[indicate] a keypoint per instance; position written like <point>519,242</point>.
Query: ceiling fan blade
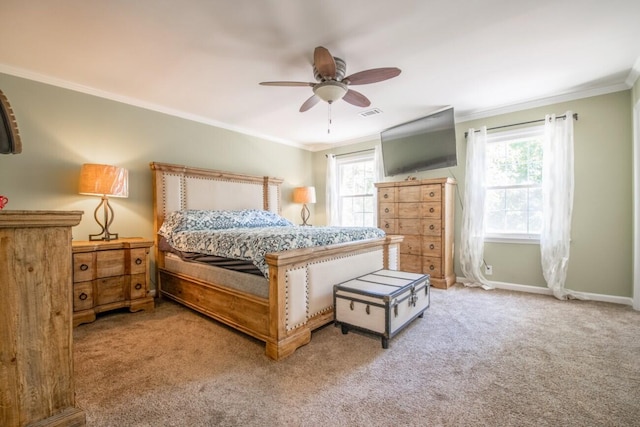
<point>287,84</point>
<point>324,63</point>
<point>356,98</point>
<point>372,76</point>
<point>309,103</point>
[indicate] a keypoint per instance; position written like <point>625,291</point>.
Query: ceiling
<point>203,59</point>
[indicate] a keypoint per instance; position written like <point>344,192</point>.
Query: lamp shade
<point>104,180</point>
<point>304,195</point>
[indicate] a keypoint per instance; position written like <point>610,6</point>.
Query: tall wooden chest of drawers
<point>109,275</point>
<point>421,211</point>
<point>37,387</point>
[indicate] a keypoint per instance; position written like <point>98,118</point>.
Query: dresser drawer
<point>431,193</point>
<point>432,266</point>
<point>137,286</point>
<point>110,263</point>
<point>431,227</point>
<point>389,225</point>
<point>411,263</point>
<point>409,210</point>
<point>110,289</point>
<point>432,210</point>
<point>386,195</point>
<point>137,260</point>
<point>82,296</point>
<point>431,246</point>
<point>409,194</point>
<point>387,210</point>
<point>409,226</point>
<point>411,245</point>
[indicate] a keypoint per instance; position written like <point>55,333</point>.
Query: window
<point>355,176</point>
<point>513,204</point>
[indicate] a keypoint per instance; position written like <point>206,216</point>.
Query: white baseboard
<point>546,291</point>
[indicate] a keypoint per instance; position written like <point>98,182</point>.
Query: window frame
<point>360,157</point>
<point>509,136</point>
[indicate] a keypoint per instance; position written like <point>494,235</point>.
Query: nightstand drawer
<point>137,261</point>
<point>138,286</point>
<point>83,267</point>
<point>110,289</point>
<point>82,296</point>
<point>110,263</point>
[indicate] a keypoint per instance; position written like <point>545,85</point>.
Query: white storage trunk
<point>382,302</point>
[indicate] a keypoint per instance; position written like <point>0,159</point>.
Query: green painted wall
<point>61,129</point>
<point>601,260</point>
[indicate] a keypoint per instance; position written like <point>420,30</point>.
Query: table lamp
<point>104,181</point>
<point>304,195</point>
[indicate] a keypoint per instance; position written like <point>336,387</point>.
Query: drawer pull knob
<point>138,261</point>
<point>368,310</point>
<point>351,305</point>
<point>432,267</point>
<point>432,210</point>
<point>386,210</point>
<point>386,225</point>
<point>432,246</point>
<point>83,296</point>
<point>84,267</point>
<point>138,286</point>
<point>432,227</point>
<point>432,194</point>
<point>386,196</point>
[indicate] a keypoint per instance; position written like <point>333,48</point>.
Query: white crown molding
<point>460,118</point>
<point>541,102</point>
<point>633,74</point>
<point>30,75</point>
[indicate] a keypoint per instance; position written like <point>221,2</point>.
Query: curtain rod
<point>575,117</point>
<point>353,152</point>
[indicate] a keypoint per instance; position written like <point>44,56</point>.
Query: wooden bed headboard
<point>177,187</point>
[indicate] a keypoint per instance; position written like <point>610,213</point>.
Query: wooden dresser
<point>36,341</point>
<point>109,275</point>
<point>421,211</point>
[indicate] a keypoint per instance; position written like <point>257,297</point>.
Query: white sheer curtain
<point>472,233</point>
<point>331,192</point>
<point>557,203</point>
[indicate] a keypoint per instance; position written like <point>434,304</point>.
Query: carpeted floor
<point>494,358</point>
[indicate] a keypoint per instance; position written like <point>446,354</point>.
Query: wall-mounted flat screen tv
<point>419,145</point>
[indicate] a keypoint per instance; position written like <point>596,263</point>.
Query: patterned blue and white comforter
<point>252,244</point>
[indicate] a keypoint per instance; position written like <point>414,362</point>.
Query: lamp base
<point>105,234</point>
<point>305,214</point>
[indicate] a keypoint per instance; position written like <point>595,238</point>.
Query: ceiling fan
<point>332,85</point>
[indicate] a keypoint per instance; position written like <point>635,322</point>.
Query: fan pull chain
<point>329,119</point>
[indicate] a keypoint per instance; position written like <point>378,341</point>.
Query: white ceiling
<point>203,59</point>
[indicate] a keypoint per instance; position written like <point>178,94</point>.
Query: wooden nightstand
<point>110,275</point>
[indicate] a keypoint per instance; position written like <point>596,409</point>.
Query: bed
<point>281,307</point>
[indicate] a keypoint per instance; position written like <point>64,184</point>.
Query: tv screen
<point>419,145</point>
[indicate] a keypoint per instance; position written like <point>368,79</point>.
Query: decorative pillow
<point>192,219</point>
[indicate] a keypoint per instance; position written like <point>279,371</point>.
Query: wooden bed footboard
<point>300,291</point>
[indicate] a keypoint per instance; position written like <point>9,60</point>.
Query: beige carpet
<point>494,358</point>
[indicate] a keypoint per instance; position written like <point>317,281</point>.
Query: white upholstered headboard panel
<point>177,187</point>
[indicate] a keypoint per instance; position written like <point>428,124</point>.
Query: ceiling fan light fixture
<point>330,91</point>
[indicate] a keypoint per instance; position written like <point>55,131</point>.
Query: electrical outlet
<point>488,269</point>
